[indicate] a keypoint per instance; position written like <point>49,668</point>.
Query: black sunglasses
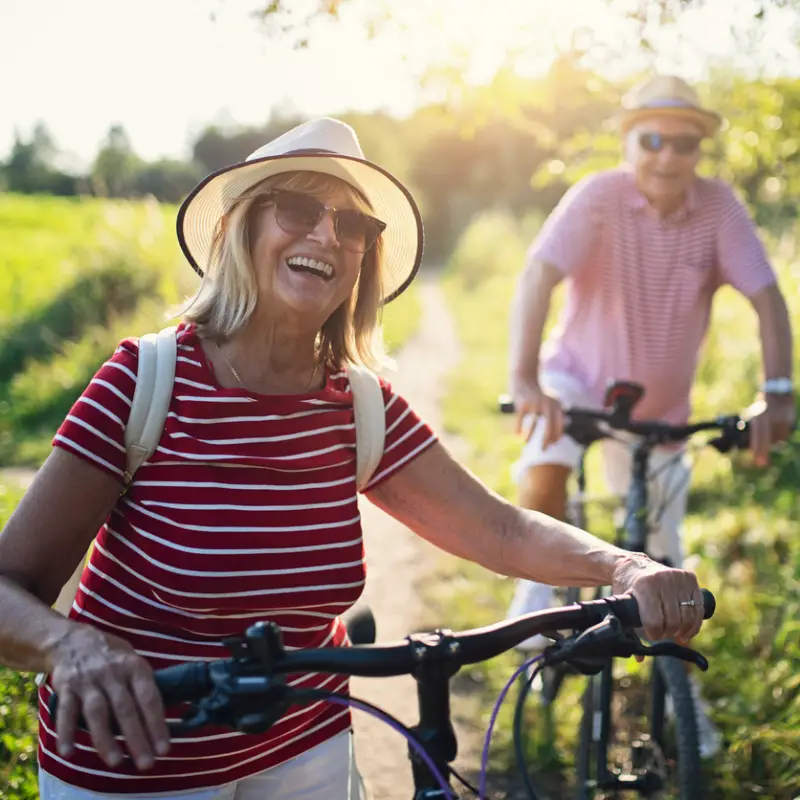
<point>299,214</point>
<point>681,144</point>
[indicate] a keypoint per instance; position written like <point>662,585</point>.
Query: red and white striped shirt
<point>640,288</point>
<point>247,511</point>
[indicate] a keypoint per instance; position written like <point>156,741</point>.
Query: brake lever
<point>589,650</point>
<point>250,704</point>
<point>586,652</point>
<point>674,651</point>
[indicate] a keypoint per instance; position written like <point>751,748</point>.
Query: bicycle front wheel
<point>639,733</point>
<point>674,735</point>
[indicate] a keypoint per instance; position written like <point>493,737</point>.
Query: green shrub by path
<point>741,530</point>
<point>48,242</point>
<point>117,269</point>
<point>18,708</point>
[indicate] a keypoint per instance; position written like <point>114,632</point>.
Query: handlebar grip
<point>183,682</point>
<point>178,684</point>
<point>627,608</point>
<point>709,604</point>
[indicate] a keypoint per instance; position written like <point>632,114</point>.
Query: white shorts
<point>669,469</point>
<point>326,772</point>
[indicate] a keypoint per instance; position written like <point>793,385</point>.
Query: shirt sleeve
<point>406,437</point>
<point>741,258</point>
<point>94,429</point>
<point>572,231</point>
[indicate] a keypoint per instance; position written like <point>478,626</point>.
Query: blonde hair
<point>228,294</point>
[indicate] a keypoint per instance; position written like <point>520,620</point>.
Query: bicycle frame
<point>633,536</point>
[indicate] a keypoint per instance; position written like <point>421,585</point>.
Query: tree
<point>215,148</point>
<point>30,170</point>
<point>167,180</point>
<point>115,166</point>
<point>295,19</point>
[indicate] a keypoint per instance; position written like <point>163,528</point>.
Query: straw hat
<point>667,95</point>
<point>320,145</point>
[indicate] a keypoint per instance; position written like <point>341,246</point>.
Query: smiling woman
<point>248,262</point>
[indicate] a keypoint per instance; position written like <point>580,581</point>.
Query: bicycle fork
<point>598,705</point>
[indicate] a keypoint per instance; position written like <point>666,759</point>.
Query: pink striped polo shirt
<point>640,288</point>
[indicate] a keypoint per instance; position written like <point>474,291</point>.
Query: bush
<point>18,709</point>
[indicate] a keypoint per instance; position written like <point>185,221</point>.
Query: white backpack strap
<point>154,380</point>
<point>370,416</point>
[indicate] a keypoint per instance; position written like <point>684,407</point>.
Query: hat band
<point>303,151</point>
<point>311,151</point>
<point>669,102</point>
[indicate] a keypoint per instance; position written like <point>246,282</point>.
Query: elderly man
<point>642,248</point>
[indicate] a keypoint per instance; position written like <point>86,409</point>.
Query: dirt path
<point>21,476</point>
<point>398,562</point>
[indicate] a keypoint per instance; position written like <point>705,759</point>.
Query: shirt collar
<point>638,201</point>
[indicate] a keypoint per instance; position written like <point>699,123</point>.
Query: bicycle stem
<point>434,730</point>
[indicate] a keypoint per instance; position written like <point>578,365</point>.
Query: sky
<point>166,68</point>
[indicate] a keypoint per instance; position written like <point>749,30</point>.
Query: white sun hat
<point>320,145</point>
<point>667,95</point>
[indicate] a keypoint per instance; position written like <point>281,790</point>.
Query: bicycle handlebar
<point>259,657</point>
<point>583,426</point>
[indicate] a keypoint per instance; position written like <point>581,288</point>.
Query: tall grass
<point>741,531</point>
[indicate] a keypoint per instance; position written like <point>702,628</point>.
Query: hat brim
<point>402,240</point>
<point>708,121</point>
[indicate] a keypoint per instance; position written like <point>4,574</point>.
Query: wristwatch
<point>778,386</point>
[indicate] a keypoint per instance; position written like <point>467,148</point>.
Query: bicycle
<point>651,759</point>
<point>248,692</point>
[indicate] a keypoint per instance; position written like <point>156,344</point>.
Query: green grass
<point>741,529</point>
<point>78,275</point>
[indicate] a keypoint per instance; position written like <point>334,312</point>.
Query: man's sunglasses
<point>681,144</point>
<point>299,214</point>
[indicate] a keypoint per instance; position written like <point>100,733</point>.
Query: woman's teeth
<point>303,264</point>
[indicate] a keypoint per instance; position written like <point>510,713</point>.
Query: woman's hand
<point>660,591</point>
<point>100,677</point>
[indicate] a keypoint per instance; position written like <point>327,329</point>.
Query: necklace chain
<point>241,382</point>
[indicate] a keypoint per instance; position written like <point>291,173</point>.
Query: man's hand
<point>532,402</point>
<point>772,420</point>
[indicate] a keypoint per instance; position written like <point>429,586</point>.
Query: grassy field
<point>741,530</point>
<point>77,276</point>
